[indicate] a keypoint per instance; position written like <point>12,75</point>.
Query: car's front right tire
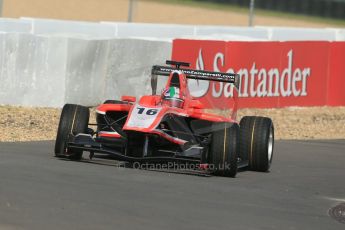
<point>224,149</point>
<point>74,119</point>
<point>257,142</point>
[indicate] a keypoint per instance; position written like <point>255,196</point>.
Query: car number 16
<point>149,112</point>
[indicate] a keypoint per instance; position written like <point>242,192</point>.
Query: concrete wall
<point>32,70</point>
<point>300,34</point>
<point>252,33</point>
<point>14,25</point>
<point>87,30</point>
<point>129,66</point>
<point>107,69</point>
<point>38,70</point>
<point>340,35</point>
<point>107,30</point>
<point>51,62</point>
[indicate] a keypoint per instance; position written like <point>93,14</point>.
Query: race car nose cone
<point>338,213</point>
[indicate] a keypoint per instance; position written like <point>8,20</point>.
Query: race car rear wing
<point>198,74</point>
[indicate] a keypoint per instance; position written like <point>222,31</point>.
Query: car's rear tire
<point>74,119</point>
<point>257,142</point>
<point>224,149</point>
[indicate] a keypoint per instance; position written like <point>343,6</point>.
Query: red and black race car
<point>170,127</point>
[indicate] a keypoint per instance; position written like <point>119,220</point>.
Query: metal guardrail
<point>1,4</point>
<point>130,10</point>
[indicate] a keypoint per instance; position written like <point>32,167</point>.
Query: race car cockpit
<point>173,95</point>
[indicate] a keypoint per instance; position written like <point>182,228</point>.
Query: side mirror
<point>128,98</point>
<point>196,104</point>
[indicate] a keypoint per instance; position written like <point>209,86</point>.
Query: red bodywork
<point>191,108</point>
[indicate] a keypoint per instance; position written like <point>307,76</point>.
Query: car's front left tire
<point>74,119</point>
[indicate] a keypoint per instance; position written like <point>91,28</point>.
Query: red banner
<point>272,74</point>
<point>336,75</point>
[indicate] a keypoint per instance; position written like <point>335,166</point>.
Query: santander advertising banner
<point>272,74</point>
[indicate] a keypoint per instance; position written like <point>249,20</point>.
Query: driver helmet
<point>172,97</point>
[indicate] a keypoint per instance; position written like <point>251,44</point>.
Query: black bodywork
<point>143,147</point>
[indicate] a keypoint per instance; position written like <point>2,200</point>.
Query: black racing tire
<point>257,142</point>
<point>74,119</point>
<point>224,149</point>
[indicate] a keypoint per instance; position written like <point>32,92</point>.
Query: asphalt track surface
<point>38,191</point>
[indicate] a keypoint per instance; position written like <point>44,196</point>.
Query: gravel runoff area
<point>32,124</point>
